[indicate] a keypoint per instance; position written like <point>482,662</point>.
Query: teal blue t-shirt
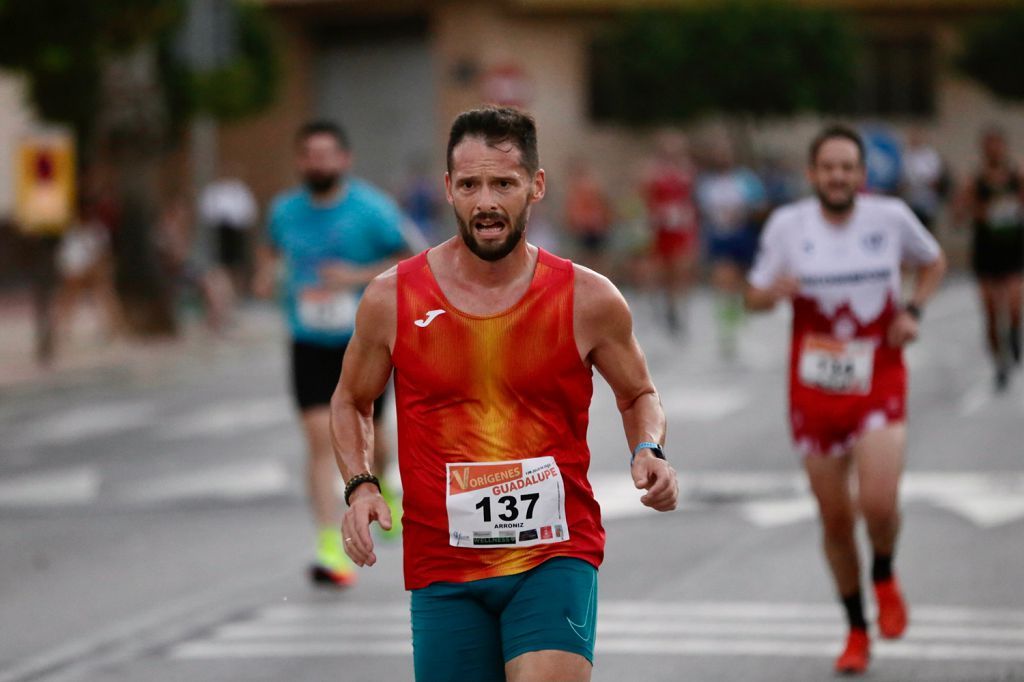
<point>362,227</point>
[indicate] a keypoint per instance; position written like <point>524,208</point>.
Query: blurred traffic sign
<point>507,84</point>
<point>45,183</point>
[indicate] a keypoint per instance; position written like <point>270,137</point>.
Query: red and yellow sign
<point>45,199</point>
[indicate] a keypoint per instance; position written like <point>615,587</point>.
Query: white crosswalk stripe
<point>770,499</point>
<point>74,486</point>
<point>228,419</point>
<point>89,421</point>
<point>764,498</point>
<point>937,633</point>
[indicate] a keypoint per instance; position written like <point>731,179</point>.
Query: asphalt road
<point>154,526</point>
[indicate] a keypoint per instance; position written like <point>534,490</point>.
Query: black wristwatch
<point>647,445</point>
<point>913,310</point>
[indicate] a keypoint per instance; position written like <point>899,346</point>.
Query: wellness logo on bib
<point>466,478</point>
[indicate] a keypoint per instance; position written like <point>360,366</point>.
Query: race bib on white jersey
<point>518,503</point>
<point>327,310</point>
<point>836,366</point>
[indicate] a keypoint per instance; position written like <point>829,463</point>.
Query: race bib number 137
<point>505,504</point>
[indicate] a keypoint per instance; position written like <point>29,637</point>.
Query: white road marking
<point>212,650</point>
<point>772,499</point>
<point>789,649</point>
<point>77,655</point>
<point>703,404</point>
<point>771,513</point>
<point>617,495</point>
<point>833,628</point>
<point>80,485</point>
<point>228,419</point>
<point>78,423</point>
<point>985,499</point>
<point>765,498</point>
<point>236,482</point>
<point>937,633</point>
<point>986,512</point>
<point>976,399</point>
<point>365,612</point>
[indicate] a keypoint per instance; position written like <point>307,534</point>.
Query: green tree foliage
<point>61,45</point>
<point>245,85</point>
<point>736,57</point>
<point>992,52</point>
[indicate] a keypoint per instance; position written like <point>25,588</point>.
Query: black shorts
<point>232,246</point>
<point>996,256</point>
<point>315,373</point>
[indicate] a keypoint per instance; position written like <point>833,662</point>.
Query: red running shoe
<point>855,657</point>
<point>892,610</point>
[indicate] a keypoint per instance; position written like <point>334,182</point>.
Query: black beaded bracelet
<point>357,481</point>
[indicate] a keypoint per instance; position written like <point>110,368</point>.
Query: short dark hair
<point>497,125</point>
<point>832,132</point>
<point>322,127</point>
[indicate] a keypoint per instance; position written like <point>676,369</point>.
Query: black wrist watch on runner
<point>357,481</point>
<point>647,445</point>
<point>913,310</point>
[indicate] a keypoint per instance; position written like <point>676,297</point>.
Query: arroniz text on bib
<point>518,503</point>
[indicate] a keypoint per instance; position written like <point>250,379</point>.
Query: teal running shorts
<point>468,631</point>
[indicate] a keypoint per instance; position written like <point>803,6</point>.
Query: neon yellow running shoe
<point>332,567</point>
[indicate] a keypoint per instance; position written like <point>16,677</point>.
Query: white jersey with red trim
<point>849,290</point>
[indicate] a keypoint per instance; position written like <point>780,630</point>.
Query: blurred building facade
<point>396,72</point>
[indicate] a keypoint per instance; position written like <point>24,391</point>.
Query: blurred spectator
<point>926,179</point>
<point>209,285</point>
<point>327,239</point>
<point>423,201</point>
<point>228,208</point>
<point>781,183</point>
<point>993,201</point>
<point>86,267</point>
<point>588,216</point>
<point>883,160</point>
<point>732,204</point>
<point>667,188</point>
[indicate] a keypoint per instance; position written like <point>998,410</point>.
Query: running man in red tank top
<point>493,343</point>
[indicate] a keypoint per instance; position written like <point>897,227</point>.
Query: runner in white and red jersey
<point>838,256</point>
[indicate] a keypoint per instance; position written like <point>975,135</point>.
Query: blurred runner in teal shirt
<point>326,240</point>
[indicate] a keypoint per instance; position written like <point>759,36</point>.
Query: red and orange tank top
<point>476,389</point>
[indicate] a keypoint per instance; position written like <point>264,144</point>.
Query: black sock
<point>881,568</point>
<point>854,605</point>
<point>1015,343</point>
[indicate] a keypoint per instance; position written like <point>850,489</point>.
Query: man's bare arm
<point>364,375</point>
<point>604,330</point>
